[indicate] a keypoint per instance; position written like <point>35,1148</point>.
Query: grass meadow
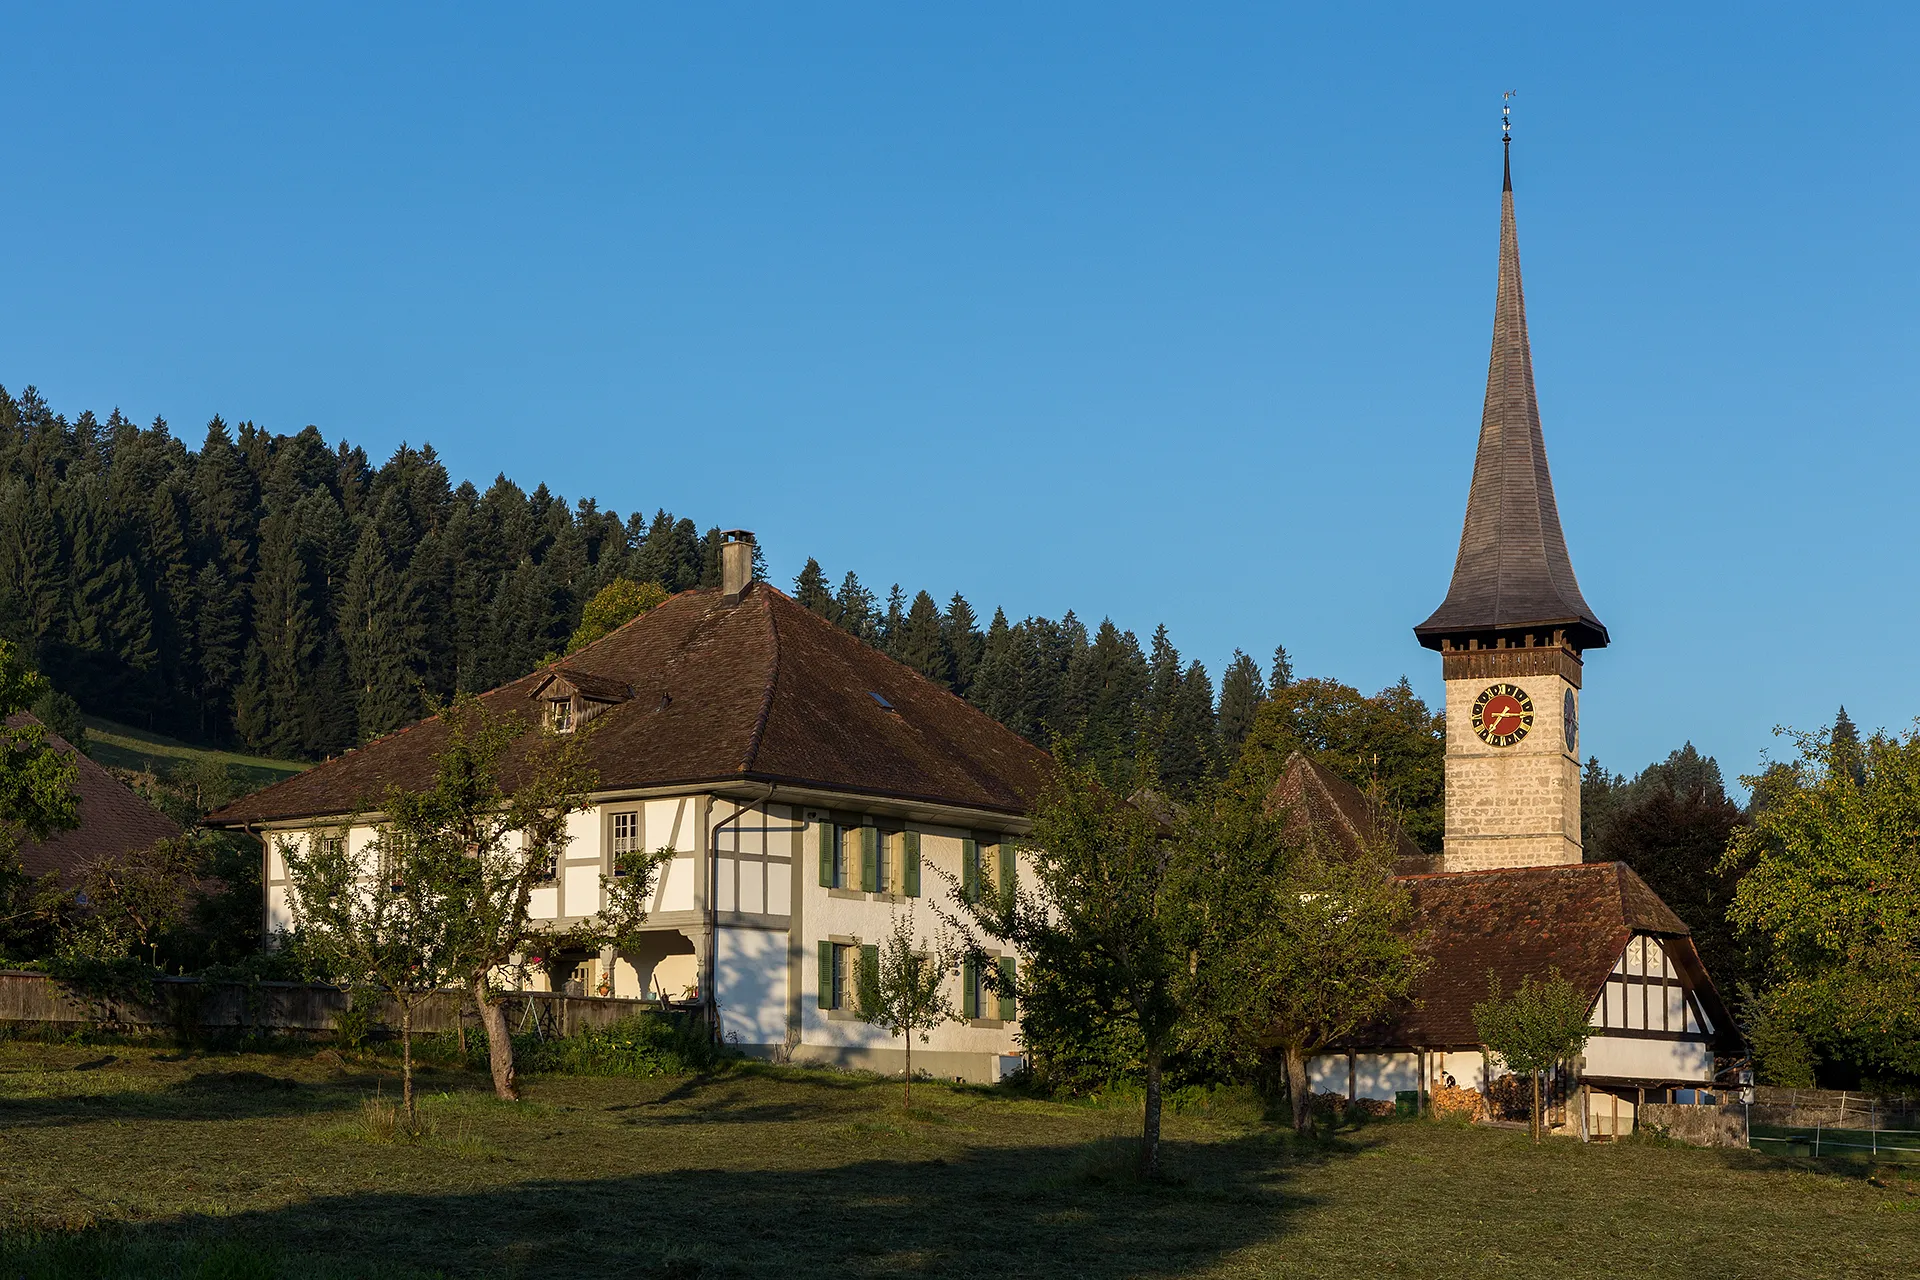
<point>120,1160</point>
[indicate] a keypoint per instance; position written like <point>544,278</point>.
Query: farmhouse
<point>808,786</point>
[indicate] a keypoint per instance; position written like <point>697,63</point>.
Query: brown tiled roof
<point>760,691</point>
<point>1512,573</point>
<point>113,820</point>
<point>1318,801</point>
<point>1526,921</point>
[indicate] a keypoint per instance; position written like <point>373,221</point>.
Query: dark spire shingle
<point>1512,574</point>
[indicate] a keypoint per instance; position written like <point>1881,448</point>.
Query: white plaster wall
<point>671,824</point>
<point>752,985</point>
<point>1628,1059</point>
<point>1468,1069</point>
<point>829,914</point>
<point>753,868</point>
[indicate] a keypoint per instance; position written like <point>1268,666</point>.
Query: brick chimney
<point>736,564</point>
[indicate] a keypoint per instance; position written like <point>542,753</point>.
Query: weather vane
<point>1506,114</point>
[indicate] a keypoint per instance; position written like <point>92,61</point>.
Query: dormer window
<point>571,698</point>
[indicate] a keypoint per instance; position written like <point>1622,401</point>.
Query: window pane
<point>882,879</point>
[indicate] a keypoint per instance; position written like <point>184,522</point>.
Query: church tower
<point>1514,625</point>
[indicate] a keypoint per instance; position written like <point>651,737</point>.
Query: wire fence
<point>1901,1145</point>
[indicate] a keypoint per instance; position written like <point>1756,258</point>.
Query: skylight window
<point>884,704</point>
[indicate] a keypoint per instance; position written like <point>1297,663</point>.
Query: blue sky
<point>1163,313</point>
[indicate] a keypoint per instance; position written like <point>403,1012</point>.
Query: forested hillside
<point>291,595</point>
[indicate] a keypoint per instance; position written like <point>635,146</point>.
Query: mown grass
<point>124,747</point>
<point>129,1161</point>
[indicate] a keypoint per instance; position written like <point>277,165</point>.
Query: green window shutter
<point>869,859</point>
<point>910,864</point>
<point>969,870</point>
<point>1007,972</point>
<point>826,975</point>
<point>1007,864</point>
<point>968,1007</point>
<point>826,856</point>
<point>870,968</point>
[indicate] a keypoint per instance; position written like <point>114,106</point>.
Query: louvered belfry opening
<point>1513,583</point>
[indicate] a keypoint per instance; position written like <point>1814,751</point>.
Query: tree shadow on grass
<point>1002,1213</point>
<point>216,1095</point>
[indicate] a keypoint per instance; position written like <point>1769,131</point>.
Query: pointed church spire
<point>1512,575</point>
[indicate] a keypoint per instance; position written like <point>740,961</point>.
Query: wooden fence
<point>299,1009</point>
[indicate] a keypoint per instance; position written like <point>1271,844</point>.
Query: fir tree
<point>965,645</point>
<point>810,589</point>
<point>1242,690</point>
<point>893,625</point>
<point>853,609</point>
<point>1847,751</point>
<point>921,645</point>
<point>1282,670</point>
<point>384,639</point>
<point>282,710</point>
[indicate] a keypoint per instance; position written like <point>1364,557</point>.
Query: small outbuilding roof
<point>113,820</point>
<point>1315,799</point>
<point>757,691</point>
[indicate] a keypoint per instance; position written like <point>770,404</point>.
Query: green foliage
<point>61,714</point>
<point>1831,896</point>
<point>1104,922</point>
<point>903,988</point>
<point>1295,945</point>
<point>1242,690</point>
<point>644,1045</point>
<point>1543,1023</point>
<point>614,605</point>
<point>36,779</point>
<point>360,1021</point>
<point>1390,743</point>
<point>1672,824</point>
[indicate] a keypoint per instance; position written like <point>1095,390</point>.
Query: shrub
<point>647,1044</point>
<point>359,1022</point>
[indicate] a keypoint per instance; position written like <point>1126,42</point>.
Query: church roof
<point>1512,572</point>
<point>1318,802</point>
<point>755,692</point>
<point>113,820</point>
<point>1522,921</point>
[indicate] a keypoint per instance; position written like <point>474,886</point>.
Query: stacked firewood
<point>1449,1100</point>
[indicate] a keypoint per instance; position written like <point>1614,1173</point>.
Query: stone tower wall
<point>1515,806</point>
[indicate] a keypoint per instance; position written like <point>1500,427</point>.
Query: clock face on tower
<point>1502,714</point>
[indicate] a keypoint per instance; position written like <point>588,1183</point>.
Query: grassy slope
<point>142,1162</point>
<point>124,747</point>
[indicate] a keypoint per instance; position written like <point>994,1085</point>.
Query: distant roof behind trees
<point>113,820</point>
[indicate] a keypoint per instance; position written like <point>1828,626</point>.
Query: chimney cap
<point>737,535</point>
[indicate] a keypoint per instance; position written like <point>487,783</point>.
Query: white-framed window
<point>846,858</point>
<point>884,877</point>
<point>560,715</point>
<point>626,835</point>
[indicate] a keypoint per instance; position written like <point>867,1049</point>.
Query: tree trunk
<point>406,1059</point>
<point>906,1094</point>
<point>499,1041</point>
<point>1297,1089</point>
<point>1536,1107</point>
<point>1150,1129</point>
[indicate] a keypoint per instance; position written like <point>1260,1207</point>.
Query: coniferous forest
<point>294,596</point>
